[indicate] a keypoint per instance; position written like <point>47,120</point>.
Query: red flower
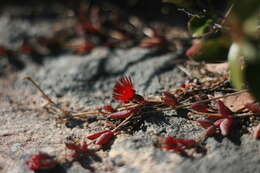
<point>41,161</point>
<point>124,90</point>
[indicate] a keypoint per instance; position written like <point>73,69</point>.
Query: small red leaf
<point>152,42</point>
<point>205,123</point>
<point>256,133</point>
<point>108,108</point>
<point>121,114</point>
<point>71,145</point>
<point>197,98</point>
<point>223,110</point>
<point>178,144</point>
<point>211,131</point>
<point>170,140</point>
<point>84,48</point>
<point>225,126</point>
<point>104,138</point>
<point>218,122</point>
<point>96,135</point>
<point>200,107</point>
<point>169,99</point>
<point>254,107</point>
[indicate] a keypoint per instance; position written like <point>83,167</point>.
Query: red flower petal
<point>218,122</point>
<point>223,109</point>
<point>108,108</point>
<point>256,133</point>
<point>104,138</point>
<point>254,107</point>
<point>121,114</point>
<point>152,42</point>
<point>169,99</point>
<point>123,90</point>
<point>178,144</point>
<point>225,126</point>
<point>96,135</point>
<point>205,123</point>
<point>200,107</point>
<point>84,48</point>
<point>211,131</point>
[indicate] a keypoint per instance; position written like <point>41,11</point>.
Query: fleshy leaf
<point>199,26</point>
<point>210,50</point>
<point>235,66</point>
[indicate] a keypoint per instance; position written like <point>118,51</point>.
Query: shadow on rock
<point>85,161</point>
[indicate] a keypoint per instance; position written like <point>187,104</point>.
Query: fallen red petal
<point>85,48</point>
<point>169,99</point>
<point>223,109</point>
<point>178,144</point>
<point>218,122</point>
<point>96,135</point>
<point>108,108</point>
<point>225,126</point>
<point>152,42</point>
<point>254,107</point>
<point>200,107</point>
<point>205,123</point>
<point>256,133</point>
<point>211,131</point>
<point>104,138</point>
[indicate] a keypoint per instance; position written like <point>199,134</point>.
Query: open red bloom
<point>124,90</point>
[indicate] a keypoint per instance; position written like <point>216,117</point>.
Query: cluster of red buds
<point>223,122</point>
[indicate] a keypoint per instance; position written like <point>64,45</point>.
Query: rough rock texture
<point>26,128</point>
<point>88,80</point>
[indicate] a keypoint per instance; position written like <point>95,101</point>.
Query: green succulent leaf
<point>210,50</point>
<point>235,66</point>
<point>199,26</point>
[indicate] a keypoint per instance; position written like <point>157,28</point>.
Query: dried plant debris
<point>210,112</point>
